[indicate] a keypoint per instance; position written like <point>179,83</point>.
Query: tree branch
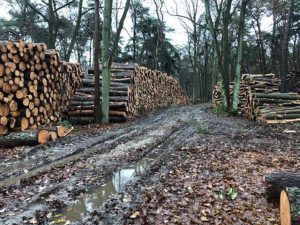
<point>63,6</point>
<point>120,27</point>
<point>36,10</point>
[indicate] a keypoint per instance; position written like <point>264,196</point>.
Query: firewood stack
<point>217,96</point>
<point>257,83</point>
<point>133,91</point>
<point>261,100</point>
<point>35,86</point>
<point>152,89</point>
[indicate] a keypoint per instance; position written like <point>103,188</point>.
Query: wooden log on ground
<point>290,206</point>
<point>276,182</point>
<point>90,120</point>
<point>31,137</point>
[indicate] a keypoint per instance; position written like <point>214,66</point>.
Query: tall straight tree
<point>225,52</point>
<point>223,59</point>
<point>106,33</point>
<point>192,10</point>
<point>97,109</point>
<point>285,46</point>
<point>75,31</point>
<point>107,57</point>
<point>239,64</point>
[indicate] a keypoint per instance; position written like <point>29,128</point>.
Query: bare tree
<point>190,21</point>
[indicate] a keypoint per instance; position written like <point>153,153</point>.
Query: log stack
<point>261,100</point>
<point>217,96</point>
<point>35,87</point>
<point>266,104</point>
<point>133,91</point>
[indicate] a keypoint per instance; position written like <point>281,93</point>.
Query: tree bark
<point>225,43</point>
<point>106,33</point>
<point>75,32</point>
<point>285,45</point>
<point>106,57</point>
<point>276,182</point>
<point>97,109</point>
<point>237,80</point>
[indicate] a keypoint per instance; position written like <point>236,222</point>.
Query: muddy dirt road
<point>174,166</point>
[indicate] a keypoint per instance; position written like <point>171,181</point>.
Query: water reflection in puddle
<point>87,202</point>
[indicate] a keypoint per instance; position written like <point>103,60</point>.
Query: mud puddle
<point>95,198</point>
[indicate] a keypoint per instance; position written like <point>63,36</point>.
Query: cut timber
<point>4,110</point>
<point>290,206</point>
<point>43,136</point>
<point>133,91</point>
<point>89,120</point>
<point>285,209</point>
<point>32,137</point>
<point>3,130</point>
<point>276,182</point>
<point>35,86</point>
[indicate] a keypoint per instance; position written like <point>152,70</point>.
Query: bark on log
<point>290,206</point>
<point>31,137</point>
<point>276,182</point>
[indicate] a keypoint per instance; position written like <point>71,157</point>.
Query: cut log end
<point>285,209</point>
<point>43,136</point>
<point>60,131</point>
<point>3,130</point>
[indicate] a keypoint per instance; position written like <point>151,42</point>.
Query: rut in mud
<point>69,180</point>
<point>35,184</point>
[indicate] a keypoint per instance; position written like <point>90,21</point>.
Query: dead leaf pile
<point>213,184</point>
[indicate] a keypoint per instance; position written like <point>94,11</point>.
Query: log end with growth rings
<point>285,209</point>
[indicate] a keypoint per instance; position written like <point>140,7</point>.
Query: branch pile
<point>35,87</point>
<point>261,100</point>
<point>133,91</point>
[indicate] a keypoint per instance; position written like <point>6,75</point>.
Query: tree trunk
<point>273,43</point>
<point>106,57</point>
<point>237,80</point>
<point>75,32</point>
<point>97,110</point>
<point>285,45</point>
<point>51,24</point>
<point>225,44</point>
<point>106,33</point>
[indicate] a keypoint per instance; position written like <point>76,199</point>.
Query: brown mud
<point>182,165</point>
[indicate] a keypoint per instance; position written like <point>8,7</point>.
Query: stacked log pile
<point>217,96</point>
<point>133,91</point>
<point>35,87</point>
<point>152,89</point>
<point>266,104</point>
<point>261,100</point>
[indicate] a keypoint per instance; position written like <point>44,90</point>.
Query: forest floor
<point>181,165</point>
